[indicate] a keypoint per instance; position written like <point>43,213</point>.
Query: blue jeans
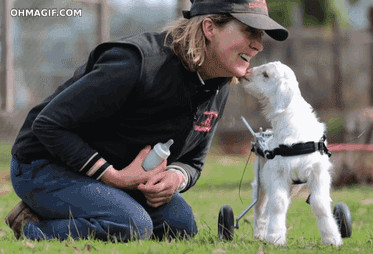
<point>69,204</point>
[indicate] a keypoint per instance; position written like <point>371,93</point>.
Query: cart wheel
<point>226,223</point>
<point>343,217</point>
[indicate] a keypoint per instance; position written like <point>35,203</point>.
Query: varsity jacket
<point>129,94</point>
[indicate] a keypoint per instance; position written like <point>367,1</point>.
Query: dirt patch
<point>366,201</point>
<point>4,183</point>
<point>4,177</point>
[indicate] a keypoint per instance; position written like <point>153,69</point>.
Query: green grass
<point>218,186</point>
<point>4,156</point>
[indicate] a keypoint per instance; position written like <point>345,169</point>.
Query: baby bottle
<point>159,153</point>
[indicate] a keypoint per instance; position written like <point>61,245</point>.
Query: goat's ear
<point>282,97</point>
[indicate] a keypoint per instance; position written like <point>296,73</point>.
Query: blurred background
<point>330,48</point>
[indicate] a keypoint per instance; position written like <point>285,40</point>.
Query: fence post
<point>102,7</point>
<point>297,38</point>
<point>371,56</point>
<point>103,21</point>
<point>182,5</point>
<point>337,88</point>
<point>7,55</point>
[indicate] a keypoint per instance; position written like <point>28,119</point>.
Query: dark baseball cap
<point>253,13</point>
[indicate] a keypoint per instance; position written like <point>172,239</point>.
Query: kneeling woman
<point>77,160</point>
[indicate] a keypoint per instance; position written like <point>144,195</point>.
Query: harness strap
<point>295,149</point>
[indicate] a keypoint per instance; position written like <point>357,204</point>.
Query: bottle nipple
<point>163,150</point>
<point>168,144</point>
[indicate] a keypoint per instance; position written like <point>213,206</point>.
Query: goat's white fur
<point>293,121</point>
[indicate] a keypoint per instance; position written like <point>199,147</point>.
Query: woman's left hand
<point>161,187</point>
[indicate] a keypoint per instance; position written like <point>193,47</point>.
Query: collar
<point>200,78</point>
<point>212,84</point>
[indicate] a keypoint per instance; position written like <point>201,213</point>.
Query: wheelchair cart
<point>226,223</point>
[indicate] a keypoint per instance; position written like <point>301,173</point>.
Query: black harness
<point>293,150</point>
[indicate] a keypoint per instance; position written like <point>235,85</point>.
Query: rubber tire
<point>226,223</point>
<point>343,217</point>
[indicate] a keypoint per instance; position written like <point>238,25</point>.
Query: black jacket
<point>129,94</point>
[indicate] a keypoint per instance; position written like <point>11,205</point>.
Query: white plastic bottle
<point>159,153</point>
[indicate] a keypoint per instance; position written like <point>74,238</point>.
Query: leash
<point>243,173</point>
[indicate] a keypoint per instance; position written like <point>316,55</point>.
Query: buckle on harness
<point>269,154</point>
<point>253,147</point>
<point>319,147</point>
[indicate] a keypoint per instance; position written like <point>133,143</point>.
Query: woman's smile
<point>231,49</point>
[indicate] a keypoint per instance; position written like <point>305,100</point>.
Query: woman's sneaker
<point>18,217</point>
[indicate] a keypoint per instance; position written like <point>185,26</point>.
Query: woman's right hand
<point>132,175</point>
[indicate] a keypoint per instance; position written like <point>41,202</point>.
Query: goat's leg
<point>277,207</point>
<point>320,201</point>
<point>260,217</point>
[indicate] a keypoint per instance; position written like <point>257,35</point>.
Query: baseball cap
<point>253,13</point>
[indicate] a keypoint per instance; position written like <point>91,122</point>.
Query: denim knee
<point>131,229</point>
<point>177,220</point>
<point>141,228</point>
<point>183,224</point>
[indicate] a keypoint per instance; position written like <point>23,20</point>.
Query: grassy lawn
<point>218,186</point>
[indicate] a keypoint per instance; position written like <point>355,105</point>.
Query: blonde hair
<point>187,40</point>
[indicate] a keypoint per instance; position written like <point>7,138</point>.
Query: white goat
<point>293,121</point>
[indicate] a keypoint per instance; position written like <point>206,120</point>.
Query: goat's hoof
<point>276,239</point>
<point>259,235</point>
<point>333,241</point>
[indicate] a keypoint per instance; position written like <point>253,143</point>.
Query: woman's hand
<point>159,189</point>
<point>131,176</point>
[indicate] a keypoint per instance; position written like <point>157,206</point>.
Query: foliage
<point>335,125</point>
<point>316,13</point>
<point>281,10</point>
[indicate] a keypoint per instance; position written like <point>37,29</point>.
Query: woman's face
<point>231,48</point>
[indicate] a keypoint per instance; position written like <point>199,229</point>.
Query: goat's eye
<point>265,74</point>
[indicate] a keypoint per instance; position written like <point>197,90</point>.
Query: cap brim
<point>263,22</point>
